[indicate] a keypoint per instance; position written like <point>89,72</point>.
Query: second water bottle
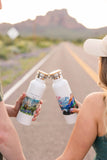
<point>64,96</point>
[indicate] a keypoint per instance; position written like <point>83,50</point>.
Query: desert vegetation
<point>19,55</point>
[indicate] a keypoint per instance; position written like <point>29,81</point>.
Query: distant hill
<point>55,24</point>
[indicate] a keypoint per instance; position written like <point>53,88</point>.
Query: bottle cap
<point>42,75</point>
<point>55,74</point>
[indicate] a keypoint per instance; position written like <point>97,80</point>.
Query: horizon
<point>46,14</point>
<point>89,13</point>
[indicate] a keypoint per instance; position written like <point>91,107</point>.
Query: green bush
<point>78,41</point>
<point>9,48</point>
<point>4,53</point>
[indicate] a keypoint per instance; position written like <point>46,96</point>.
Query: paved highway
<point>47,137</point>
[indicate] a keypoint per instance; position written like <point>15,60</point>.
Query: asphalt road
<point>47,137</point>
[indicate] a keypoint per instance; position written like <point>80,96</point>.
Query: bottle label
<point>29,105</point>
<point>66,103</point>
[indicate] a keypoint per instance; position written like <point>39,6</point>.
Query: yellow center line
<point>88,70</point>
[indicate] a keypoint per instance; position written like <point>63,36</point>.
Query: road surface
<point>47,137</point>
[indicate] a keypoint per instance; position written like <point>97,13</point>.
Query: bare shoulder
<point>95,98</point>
<point>94,102</point>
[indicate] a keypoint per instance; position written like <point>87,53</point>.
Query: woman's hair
<point>103,71</point>
<point>103,82</point>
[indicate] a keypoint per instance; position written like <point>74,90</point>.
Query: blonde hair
<point>103,83</point>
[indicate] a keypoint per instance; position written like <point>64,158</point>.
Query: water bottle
<point>32,100</point>
<point>64,96</point>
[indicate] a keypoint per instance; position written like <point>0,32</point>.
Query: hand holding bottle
<point>13,110</point>
<point>37,112</point>
<point>76,110</point>
<point>32,101</point>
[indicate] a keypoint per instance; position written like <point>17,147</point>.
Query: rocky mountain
<point>55,24</point>
<point>58,18</point>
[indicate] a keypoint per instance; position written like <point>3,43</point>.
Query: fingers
<point>21,98</point>
<point>19,102</point>
<point>78,103</point>
<point>74,110</point>
<point>37,112</point>
<point>41,102</point>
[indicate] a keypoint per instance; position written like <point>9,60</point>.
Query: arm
<point>10,145</point>
<point>82,137</point>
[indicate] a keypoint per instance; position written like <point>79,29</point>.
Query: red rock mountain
<point>55,24</point>
<point>58,18</point>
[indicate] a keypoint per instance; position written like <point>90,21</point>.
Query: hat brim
<point>94,47</point>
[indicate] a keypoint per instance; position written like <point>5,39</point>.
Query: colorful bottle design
<point>64,96</point>
<point>32,100</point>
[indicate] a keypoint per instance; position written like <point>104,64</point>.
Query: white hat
<point>96,47</point>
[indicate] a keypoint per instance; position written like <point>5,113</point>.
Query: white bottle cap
<point>24,118</point>
<point>55,74</point>
<point>42,75</point>
<point>71,119</point>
